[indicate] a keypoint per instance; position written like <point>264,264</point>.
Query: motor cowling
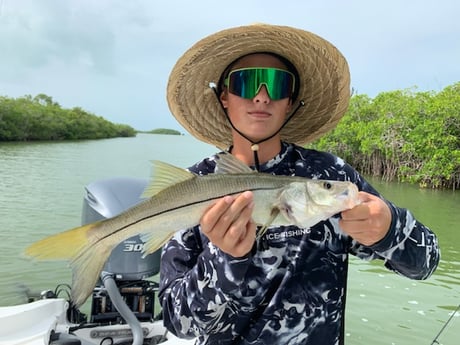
<point>108,198</point>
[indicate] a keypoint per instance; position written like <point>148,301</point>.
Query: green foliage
<point>404,135</point>
<point>164,131</point>
<point>40,118</point>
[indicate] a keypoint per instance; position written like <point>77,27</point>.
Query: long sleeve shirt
<point>291,288</point>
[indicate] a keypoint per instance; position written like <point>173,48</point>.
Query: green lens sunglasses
<point>246,82</point>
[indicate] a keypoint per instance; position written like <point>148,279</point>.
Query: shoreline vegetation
<point>162,131</point>
<point>402,135</point>
<point>40,118</point>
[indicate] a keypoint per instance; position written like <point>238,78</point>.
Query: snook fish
<point>176,199</point>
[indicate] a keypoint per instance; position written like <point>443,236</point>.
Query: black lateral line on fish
<point>179,207</point>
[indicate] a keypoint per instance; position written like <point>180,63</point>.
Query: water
<point>42,188</point>
<point>390,309</point>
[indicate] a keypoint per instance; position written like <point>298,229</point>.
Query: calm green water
<point>42,188</point>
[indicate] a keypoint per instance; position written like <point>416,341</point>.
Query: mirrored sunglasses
<point>246,82</point>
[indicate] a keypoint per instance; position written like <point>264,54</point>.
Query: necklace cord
<point>255,144</point>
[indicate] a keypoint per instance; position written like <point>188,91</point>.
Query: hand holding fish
<point>367,222</point>
<point>228,224</point>
<point>227,204</point>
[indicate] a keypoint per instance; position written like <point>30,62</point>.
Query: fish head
<point>338,195</point>
<point>306,203</point>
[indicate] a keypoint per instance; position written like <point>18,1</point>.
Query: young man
<point>272,89</point>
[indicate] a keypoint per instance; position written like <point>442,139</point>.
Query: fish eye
<point>327,185</point>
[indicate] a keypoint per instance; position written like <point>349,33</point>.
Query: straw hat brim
<point>323,71</point>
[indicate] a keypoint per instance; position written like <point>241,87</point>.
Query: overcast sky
<point>112,58</point>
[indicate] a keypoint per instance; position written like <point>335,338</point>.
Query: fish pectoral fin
<point>165,175</point>
<point>274,213</point>
<point>261,232</point>
<point>154,241</point>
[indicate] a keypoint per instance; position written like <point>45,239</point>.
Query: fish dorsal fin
<point>226,163</point>
<point>165,175</point>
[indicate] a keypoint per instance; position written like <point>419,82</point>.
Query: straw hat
<point>324,81</point>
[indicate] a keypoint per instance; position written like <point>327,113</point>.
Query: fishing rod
<point>435,340</point>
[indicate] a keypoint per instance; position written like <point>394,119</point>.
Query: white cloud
<point>113,57</point>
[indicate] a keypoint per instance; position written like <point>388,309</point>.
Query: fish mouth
<point>350,197</point>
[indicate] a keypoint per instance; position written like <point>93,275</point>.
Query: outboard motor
<point>126,269</point>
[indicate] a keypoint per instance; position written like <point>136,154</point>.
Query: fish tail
<point>86,270</point>
<point>87,255</point>
<point>64,245</point>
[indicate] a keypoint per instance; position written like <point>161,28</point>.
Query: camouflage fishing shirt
<point>291,288</point>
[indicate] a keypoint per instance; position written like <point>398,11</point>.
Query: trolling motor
<point>123,293</point>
